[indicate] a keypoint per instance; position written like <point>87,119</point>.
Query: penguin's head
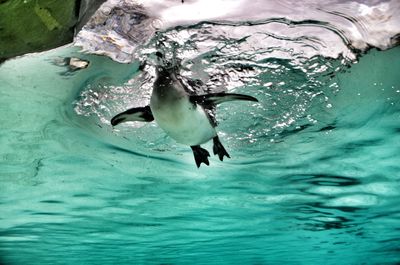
<point>162,71</point>
<point>163,68</point>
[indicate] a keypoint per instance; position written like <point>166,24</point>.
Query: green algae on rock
<point>38,25</point>
<point>28,26</point>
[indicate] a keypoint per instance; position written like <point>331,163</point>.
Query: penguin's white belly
<point>184,122</point>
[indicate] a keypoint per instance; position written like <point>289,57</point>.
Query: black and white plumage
<point>184,117</point>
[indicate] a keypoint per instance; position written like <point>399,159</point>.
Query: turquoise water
<point>313,178</point>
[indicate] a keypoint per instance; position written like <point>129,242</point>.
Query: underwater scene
<point>314,170</point>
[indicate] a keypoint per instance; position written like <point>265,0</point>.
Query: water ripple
<point>314,168</point>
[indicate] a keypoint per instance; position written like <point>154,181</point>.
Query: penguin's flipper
<point>200,155</point>
<point>219,149</point>
<point>134,114</point>
<point>217,98</point>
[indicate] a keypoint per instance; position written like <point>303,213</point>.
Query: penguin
<point>187,118</point>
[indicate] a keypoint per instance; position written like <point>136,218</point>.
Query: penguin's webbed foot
<point>200,155</point>
<point>219,149</point>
